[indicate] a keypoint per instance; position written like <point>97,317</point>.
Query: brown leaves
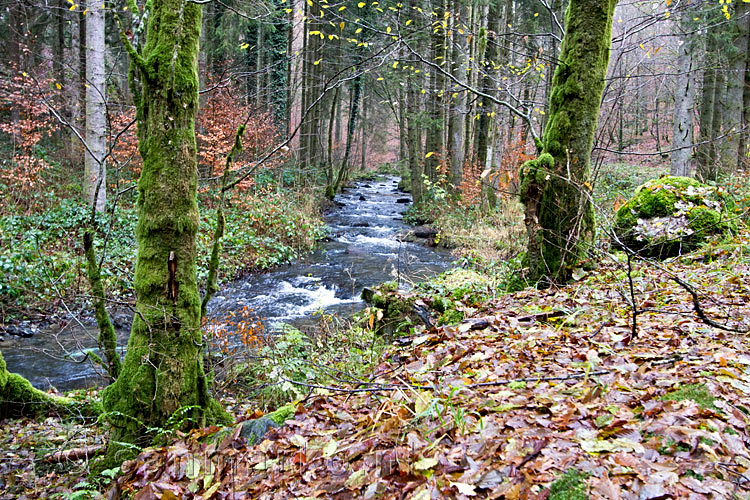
<point>453,438</point>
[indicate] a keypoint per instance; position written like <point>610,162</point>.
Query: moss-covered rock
<point>672,215</point>
<point>393,312</point>
<point>255,430</point>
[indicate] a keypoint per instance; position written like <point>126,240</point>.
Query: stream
<point>365,249</point>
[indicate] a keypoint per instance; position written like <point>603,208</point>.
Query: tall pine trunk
<point>163,369</point>
<point>559,215</point>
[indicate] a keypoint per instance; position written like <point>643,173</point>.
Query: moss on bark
<point>559,214</point>
<point>107,339</point>
<point>163,368</point>
<point>18,398</point>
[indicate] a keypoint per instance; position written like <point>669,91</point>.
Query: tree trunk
<point>18,398</point>
<point>682,136</point>
<point>484,133</point>
<point>354,101</point>
<point>744,140</point>
<point>412,132</point>
<point>163,368</point>
<point>735,87</point>
<point>559,214</point>
<point>73,91</point>
<point>705,151</point>
<point>363,130</point>
<point>458,109</point>
<point>95,172</point>
<point>434,135</point>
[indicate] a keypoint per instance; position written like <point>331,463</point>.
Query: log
<point>74,454</point>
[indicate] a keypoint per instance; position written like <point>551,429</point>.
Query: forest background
<point>454,97</point>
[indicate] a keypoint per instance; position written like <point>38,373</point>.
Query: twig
<point>699,309</point>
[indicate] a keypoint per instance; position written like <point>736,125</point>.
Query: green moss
<point>451,317</point>
<point>695,392</point>
<point>559,215</point>
<point>570,486</point>
<point>678,214</point>
<point>163,368</point>
<point>19,398</point>
<point>283,414</point>
<point>107,338</point>
<point>255,430</point>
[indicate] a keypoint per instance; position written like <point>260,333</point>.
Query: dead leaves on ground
<point>510,440</point>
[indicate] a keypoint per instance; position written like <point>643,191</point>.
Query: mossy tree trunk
<point>555,187</point>
<point>18,398</point>
<point>163,368</point>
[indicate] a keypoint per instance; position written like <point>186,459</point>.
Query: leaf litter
<point>506,409</point>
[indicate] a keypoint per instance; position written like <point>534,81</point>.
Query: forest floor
<point>535,394</point>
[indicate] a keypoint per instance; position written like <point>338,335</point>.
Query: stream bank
<point>365,247</point>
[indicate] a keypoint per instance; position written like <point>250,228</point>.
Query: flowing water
<point>365,249</point>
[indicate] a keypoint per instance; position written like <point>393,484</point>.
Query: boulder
<point>673,215</point>
<point>403,200</point>
<point>425,232</point>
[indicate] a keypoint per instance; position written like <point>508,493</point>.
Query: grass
<point>694,392</point>
<point>570,486</point>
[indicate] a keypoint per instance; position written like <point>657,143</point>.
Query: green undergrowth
<point>288,363</point>
<point>495,235</point>
<point>41,258</point>
<point>694,392</point>
<point>570,486</point>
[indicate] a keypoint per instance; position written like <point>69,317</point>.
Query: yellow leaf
<point>73,7</point>
<point>59,87</point>
<point>361,4</point>
<point>395,65</point>
<point>381,78</point>
<point>309,2</point>
<point>317,62</point>
<point>359,30</point>
<point>341,25</point>
<point>343,7</point>
<point>244,46</point>
<point>388,29</point>
<point>430,153</point>
<point>408,22</point>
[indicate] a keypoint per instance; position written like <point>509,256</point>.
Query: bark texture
<point>554,187</point>
<point>733,117</point>
<point>95,173</point>
<point>682,136</point>
<point>163,368</point>
<point>458,109</point>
